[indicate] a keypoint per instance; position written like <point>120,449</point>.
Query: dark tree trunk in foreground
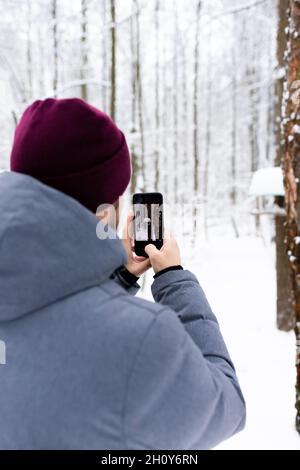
<point>292,175</point>
<point>285,314</point>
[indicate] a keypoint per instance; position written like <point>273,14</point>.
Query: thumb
<point>151,250</point>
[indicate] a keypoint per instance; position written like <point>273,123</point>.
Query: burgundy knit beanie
<point>75,148</point>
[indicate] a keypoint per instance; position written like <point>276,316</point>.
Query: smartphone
<point>148,221</point>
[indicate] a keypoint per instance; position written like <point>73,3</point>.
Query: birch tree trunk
<point>55,46</point>
<point>234,121</point>
<point>175,105</point>
<point>84,53</point>
<point>196,116</point>
<point>195,100</point>
<point>185,132</point>
<point>134,156</point>
<point>104,57</point>
<point>157,100</point>
<point>139,86</point>
<point>292,175</point>
<point>29,93</point>
<point>207,133</point>
<point>113,60</point>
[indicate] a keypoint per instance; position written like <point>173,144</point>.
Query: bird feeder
<point>267,187</point>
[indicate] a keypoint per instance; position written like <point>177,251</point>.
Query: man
<point>88,366</point>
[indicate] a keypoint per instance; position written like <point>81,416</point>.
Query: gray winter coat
<point>88,366</point>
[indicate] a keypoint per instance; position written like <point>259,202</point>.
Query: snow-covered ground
<point>238,276</point>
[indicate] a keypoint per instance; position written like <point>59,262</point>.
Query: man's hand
<point>136,265</point>
<point>165,258</point>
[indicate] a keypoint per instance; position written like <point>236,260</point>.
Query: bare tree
<point>84,51</point>
<point>208,110</point>
<point>234,117</point>
<point>292,174</point>
<point>175,102</point>
<point>137,119</point>
<point>140,94</point>
<point>270,134</point>
<point>55,45</point>
<point>196,99</point>
<point>134,125</point>
<point>185,134</point>
<point>164,139</point>
<point>104,55</point>
<point>113,60</point>
<point>29,52</point>
<point>195,114</point>
<point>157,98</point>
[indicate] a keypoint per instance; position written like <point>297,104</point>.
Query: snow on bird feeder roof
<point>267,182</point>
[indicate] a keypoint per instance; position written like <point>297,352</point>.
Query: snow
<point>238,276</point>
<point>267,182</point>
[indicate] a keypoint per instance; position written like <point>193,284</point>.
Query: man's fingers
<point>139,259</point>
<point>145,264</point>
<point>151,251</point>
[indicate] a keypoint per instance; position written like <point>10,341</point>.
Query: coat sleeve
<point>183,392</point>
<point>128,281</point>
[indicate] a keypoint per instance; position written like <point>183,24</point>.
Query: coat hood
<point>48,247</point>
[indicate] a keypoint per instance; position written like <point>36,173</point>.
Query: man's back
<point>87,365</point>
<point>67,371</point>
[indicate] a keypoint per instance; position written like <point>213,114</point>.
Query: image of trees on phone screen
<point>147,222</point>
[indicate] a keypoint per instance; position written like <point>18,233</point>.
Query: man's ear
<point>118,208</point>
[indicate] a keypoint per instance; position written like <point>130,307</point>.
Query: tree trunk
<point>234,121</point>
<point>292,175</point>
<point>195,100</point>
<point>133,130</point>
<point>207,134</point>
<point>165,109</point>
<point>253,78</point>
<point>271,105</point>
<point>29,93</point>
<point>196,118</point>
<point>113,60</point>
<point>285,314</point>
<point>185,132</point>
<point>84,53</point>
<point>157,100</point>
<point>175,106</point>
<point>104,57</point>
<point>140,96</point>
<point>55,47</point>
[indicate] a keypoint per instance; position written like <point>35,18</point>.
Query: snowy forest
<point>207,94</point>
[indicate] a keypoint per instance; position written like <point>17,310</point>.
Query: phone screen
<point>148,221</point>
